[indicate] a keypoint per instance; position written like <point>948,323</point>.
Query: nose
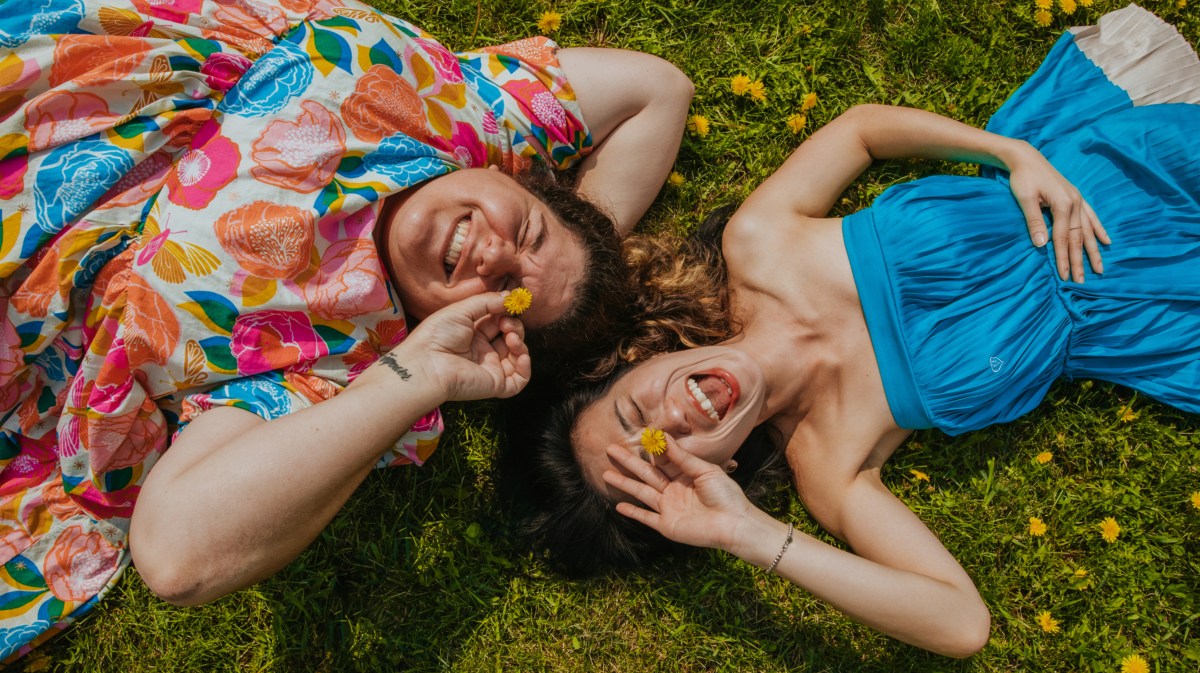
<point>495,256</point>
<point>673,419</point>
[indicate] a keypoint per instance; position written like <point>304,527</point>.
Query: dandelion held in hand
<point>518,301</point>
<point>654,441</point>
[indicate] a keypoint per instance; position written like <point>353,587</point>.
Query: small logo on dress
<point>995,363</point>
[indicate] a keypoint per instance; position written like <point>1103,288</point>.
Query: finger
<point>1075,251</point>
<point>647,473</point>
<point>644,494</point>
<point>1091,246</point>
<point>512,325</point>
<point>1034,220</point>
<point>1101,232</point>
<point>691,466</point>
<point>1061,243</point>
<point>638,514</point>
<point>479,306</point>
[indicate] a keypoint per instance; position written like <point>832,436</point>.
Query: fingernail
<point>1039,239</point>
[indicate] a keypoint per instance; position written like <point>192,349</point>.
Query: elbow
<point>673,87</point>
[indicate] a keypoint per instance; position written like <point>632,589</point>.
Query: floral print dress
<point>188,193</point>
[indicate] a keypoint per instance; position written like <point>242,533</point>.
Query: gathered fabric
<point>970,323</point>
<point>189,194</point>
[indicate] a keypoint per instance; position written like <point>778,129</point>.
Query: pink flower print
<point>13,541</point>
<point>222,70</point>
<point>430,421</point>
<point>12,175</point>
<point>11,355</point>
<point>204,170</point>
<point>465,145</point>
<point>174,11</point>
<point>79,564</point>
<point>123,440</point>
<point>114,382</point>
<point>489,122</point>
<point>264,341</point>
<point>349,283</point>
<point>548,110</point>
<point>58,117</point>
<point>443,61</point>
<point>300,155</point>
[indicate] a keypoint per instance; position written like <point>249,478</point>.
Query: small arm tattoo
<point>389,361</point>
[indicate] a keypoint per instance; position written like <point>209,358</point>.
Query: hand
<point>698,504</point>
<point>469,350</point>
<point>1036,183</point>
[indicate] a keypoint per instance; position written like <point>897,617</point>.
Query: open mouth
<point>457,241</point>
<point>713,393</point>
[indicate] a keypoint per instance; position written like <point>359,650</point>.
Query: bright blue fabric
<point>970,322</point>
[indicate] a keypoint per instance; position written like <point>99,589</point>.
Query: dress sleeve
<point>531,99</point>
<point>275,394</point>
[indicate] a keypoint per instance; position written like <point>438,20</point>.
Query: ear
<point>493,167</point>
<point>730,466</point>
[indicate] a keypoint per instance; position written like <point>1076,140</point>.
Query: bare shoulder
<point>760,237</point>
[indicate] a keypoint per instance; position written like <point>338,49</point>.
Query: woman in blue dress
<point>930,309</point>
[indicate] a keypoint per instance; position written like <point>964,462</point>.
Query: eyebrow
<point>624,423</point>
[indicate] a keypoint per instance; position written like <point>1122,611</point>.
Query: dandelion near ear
<point>518,301</point>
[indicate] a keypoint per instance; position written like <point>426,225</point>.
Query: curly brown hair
<point>682,298</point>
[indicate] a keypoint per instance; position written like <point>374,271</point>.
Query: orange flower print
<point>204,170</point>
<point>57,502</point>
<point>267,240</point>
<point>140,183</point>
<point>350,282</point>
<point>150,327</point>
<point>79,564</point>
<point>320,9</point>
<point>124,440</point>
<point>382,104</point>
<point>12,360</point>
<point>41,287</point>
<point>313,388</point>
<point>300,155</point>
<point>536,50</point>
<point>92,60</point>
<point>13,541</point>
<point>251,26</point>
<point>58,117</point>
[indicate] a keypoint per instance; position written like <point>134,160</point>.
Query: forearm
<point>214,517</point>
<point>635,106</point>
<point>889,132</point>
<point>920,610</point>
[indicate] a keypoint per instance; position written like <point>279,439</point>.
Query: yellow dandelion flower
<point>1196,499</point>
<point>1044,4</point>
<point>1042,18</point>
<point>1044,457</point>
<point>1181,4</point>
<point>698,124</point>
<point>676,178</point>
<point>1085,3</point>
<point>654,441</point>
<point>806,29</point>
<point>549,22</point>
<point>518,301</point>
<point>1128,414</point>
<point>1068,6</point>
<point>1134,663</point>
<point>809,102</point>
<point>740,85</point>
<point>1037,527</point>
<point>1048,623</point>
<point>758,90</point>
<point>919,475</point>
<point>1109,530</point>
<point>796,123</point>
<point>1080,573</point>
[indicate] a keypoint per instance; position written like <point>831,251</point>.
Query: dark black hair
<point>567,518</point>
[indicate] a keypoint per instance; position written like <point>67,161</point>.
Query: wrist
<point>1010,152</point>
<point>759,540</point>
<point>398,376</point>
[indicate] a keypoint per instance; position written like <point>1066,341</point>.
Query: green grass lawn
<point>420,572</point>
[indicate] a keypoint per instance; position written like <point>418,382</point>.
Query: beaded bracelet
<point>784,548</point>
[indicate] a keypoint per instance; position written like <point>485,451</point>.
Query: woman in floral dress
<point>193,204</point>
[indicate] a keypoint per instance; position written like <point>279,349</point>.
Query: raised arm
<point>236,498</point>
<point>636,106</point>
<point>902,581</point>
<point>817,173</point>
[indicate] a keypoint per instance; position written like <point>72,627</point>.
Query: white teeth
<point>708,407</point>
<point>456,244</point>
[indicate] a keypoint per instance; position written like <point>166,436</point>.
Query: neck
<point>796,365</point>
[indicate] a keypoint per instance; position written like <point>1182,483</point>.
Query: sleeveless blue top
<point>970,322</point>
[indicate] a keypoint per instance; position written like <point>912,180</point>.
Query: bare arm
<point>813,177</point>
<point>236,498</point>
<point>903,582</point>
<point>636,106</point>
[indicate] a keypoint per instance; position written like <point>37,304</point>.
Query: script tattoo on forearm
<point>389,361</point>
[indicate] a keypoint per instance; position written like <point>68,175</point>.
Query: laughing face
<point>707,399</point>
<point>478,230</point>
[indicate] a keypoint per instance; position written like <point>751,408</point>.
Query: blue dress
<point>971,324</point>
